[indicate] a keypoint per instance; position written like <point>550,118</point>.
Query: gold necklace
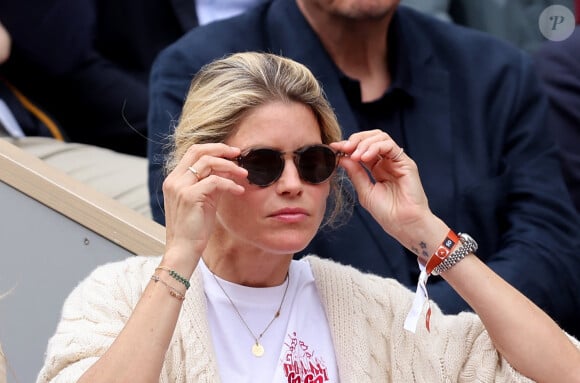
<point>257,348</point>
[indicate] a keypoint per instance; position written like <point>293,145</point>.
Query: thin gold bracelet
<point>175,275</point>
<point>173,292</point>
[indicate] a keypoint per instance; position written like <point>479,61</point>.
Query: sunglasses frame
<point>296,154</point>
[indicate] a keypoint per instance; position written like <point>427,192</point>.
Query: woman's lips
<point>290,214</point>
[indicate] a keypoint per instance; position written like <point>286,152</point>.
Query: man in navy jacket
<point>465,106</point>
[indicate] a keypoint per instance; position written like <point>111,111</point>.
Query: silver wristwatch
<point>468,245</point>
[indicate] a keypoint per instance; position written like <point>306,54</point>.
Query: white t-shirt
<point>297,346</point>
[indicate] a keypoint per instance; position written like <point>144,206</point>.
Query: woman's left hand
<point>394,196</point>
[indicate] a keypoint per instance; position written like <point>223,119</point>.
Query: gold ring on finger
<point>195,172</point>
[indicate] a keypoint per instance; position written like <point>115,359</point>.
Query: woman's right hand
<point>191,193</point>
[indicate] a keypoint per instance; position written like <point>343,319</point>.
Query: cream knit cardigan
<point>365,313</point>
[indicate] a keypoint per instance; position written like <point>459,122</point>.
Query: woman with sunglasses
<point>255,161</point>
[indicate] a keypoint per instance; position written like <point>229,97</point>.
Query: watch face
<point>467,240</point>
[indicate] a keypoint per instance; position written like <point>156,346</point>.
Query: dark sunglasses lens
<point>316,164</point>
<point>264,166</point>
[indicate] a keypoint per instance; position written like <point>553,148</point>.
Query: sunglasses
<point>315,164</point>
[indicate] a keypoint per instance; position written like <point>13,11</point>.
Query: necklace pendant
<point>257,349</point>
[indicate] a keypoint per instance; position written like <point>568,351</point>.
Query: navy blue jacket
<point>476,131</point>
<point>558,64</point>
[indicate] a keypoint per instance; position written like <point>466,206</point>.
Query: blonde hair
<point>225,90</point>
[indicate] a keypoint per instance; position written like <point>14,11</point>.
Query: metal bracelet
<point>172,291</point>
<point>468,245</point>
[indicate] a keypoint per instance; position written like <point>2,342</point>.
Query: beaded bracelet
<point>175,276</point>
<point>174,293</point>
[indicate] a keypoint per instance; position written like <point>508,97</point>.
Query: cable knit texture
<point>365,313</point>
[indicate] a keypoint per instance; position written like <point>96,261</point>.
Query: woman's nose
<point>290,180</point>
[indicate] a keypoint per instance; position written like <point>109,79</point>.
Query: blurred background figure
<point>515,21</point>
<point>87,62</point>
<point>17,118</point>
<point>26,125</point>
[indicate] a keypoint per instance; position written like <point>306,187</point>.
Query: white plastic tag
<point>421,297</point>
